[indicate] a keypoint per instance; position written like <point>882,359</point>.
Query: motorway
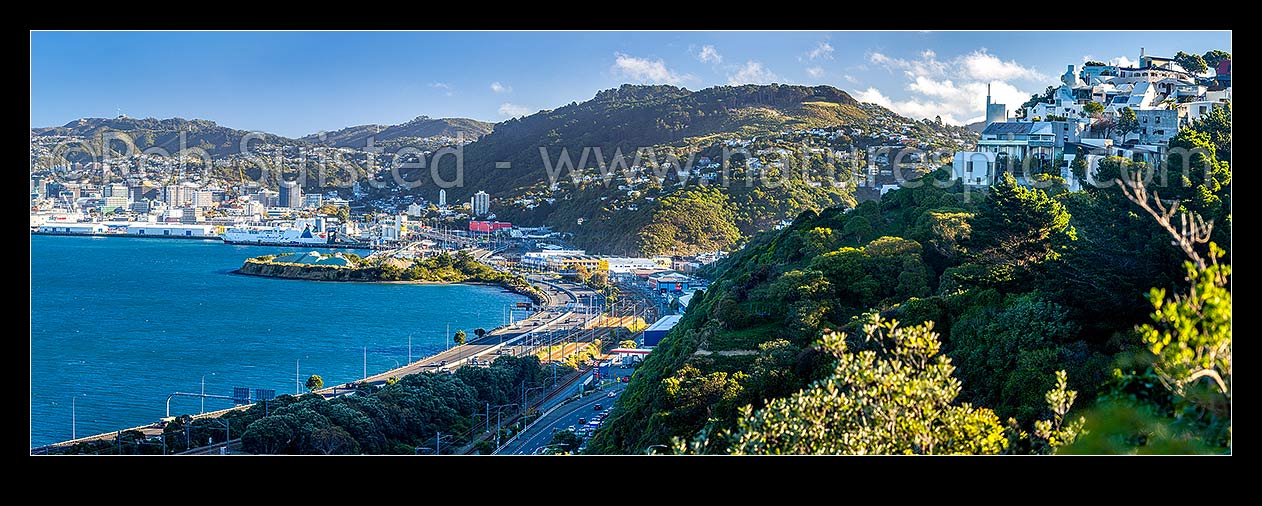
<point>563,417</point>
<point>555,317</point>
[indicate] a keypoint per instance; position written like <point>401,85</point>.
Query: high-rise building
<point>137,193</point>
<point>116,190</point>
<point>177,195</point>
<point>290,195</point>
<point>114,203</point>
<point>442,198</point>
<point>312,201</point>
<point>192,215</point>
<point>203,198</point>
<point>480,203</point>
<point>266,197</point>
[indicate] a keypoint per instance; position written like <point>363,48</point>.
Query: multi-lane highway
<point>540,434</point>
<point>557,317</point>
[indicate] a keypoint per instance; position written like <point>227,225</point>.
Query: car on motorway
<point>570,428</point>
<point>612,394</point>
<point>582,421</point>
<point>598,407</point>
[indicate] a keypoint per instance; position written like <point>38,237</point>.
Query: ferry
<point>303,232</point>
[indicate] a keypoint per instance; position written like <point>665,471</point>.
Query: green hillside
<point>1017,283</point>
<point>422,127</point>
<point>633,204</point>
<point>218,141</point>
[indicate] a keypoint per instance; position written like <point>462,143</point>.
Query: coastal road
<point>541,433</point>
<point>556,317</point>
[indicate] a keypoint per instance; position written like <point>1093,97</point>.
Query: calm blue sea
<point>118,324</point>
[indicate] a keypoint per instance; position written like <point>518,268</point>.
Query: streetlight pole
<point>498,417</point>
<point>297,362</point>
<point>73,436</point>
<point>365,362</point>
<point>203,395</point>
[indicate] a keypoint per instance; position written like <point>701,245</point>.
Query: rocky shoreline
<point>264,267</point>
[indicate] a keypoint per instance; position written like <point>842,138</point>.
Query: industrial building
<point>659,329</point>
<point>72,228</point>
<point>672,282</point>
<point>488,226</point>
<point>171,230</point>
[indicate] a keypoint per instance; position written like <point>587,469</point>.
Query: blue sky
<point>296,83</point>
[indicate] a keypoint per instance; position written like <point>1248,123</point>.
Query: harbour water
<point>118,324</point>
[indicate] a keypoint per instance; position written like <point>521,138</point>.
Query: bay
<point>118,324</point>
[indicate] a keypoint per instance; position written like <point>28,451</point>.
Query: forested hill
<point>422,127</point>
<point>1017,283</point>
<point>642,116</point>
<point>655,210</point>
<point>217,140</point>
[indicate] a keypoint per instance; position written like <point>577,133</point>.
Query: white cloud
<point>954,89</point>
<point>851,78</point>
<point>926,65</point>
<point>988,67</point>
<point>442,86</point>
<point>709,55</point>
<point>822,50</point>
<point>814,71</point>
<point>513,110</point>
<point>499,88</point>
<point>645,70</point>
<point>752,72</point>
<point>927,86</point>
<point>1123,61</point>
<point>873,95</point>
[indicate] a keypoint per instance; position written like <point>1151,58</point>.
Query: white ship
<point>303,232</point>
